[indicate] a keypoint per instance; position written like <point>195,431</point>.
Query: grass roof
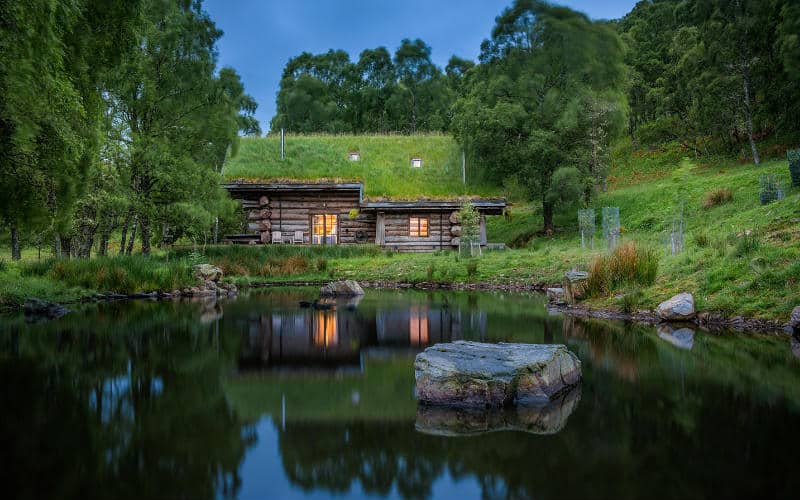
<point>384,168</point>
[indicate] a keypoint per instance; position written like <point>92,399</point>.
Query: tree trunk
<point>748,115</point>
<point>144,230</point>
<point>125,225</point>
<point>66,246</point>
<point>16,253</point>
<point>132,237</point>
<point>56,246</point>
<point>547,214</point>
<point>216,230</point>
<point>103,249</point>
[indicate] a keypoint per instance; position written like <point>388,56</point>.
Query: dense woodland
<point>115,119</point>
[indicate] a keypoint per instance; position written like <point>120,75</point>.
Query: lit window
<point>416,162</point>
<point>324,229</point>
<point>418,226</point>
<point>354,156</point>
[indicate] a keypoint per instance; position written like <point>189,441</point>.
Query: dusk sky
<point>261,35</point>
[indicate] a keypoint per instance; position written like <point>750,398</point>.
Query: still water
<point>259,398</point>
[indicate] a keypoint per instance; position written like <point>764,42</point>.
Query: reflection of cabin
<point>336,213</point>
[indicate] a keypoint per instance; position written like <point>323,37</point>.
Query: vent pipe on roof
<point>283,145</point>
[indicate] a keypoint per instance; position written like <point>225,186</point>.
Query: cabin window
<point>324,230</point>
<point>354,156</point>
<point>418,227</point>
<point>416,162</point>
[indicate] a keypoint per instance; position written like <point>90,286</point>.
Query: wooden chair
<point>298,238</point>
<point>277,237</point>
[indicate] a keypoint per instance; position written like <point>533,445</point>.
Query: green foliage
<point>472,269</point>
<point>469,218</point>
<point>701,239</point>
<point>122,274</point>
<point>518,119</point>
<point>329,93</point>
<point>745,244</point>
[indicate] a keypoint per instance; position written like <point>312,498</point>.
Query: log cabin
<point>309,211</point>
<point>337,214</point>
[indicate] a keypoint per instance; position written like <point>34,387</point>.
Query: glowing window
<point>324,229</point>
<point>418,226</point>
<point>416,162</point>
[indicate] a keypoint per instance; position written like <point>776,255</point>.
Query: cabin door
<point>324,229</point>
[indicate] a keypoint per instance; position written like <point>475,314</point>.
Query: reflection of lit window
<point>325,334</point>
<point>416,162</point>
<point>418,325</point>
<point>323,229</point>
<point>418,226</point>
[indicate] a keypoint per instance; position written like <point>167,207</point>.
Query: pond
<point>257,397</point>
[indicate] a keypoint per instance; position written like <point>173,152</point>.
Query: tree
<point>545,101</point>
<point>178,119</point>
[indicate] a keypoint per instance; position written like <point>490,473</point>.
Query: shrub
<point>472,269</point>
<point>746,244</point>
<point>701,239</point>
<point>717,197</point>
<point>628,264</point>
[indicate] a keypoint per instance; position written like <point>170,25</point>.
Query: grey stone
<point>575,285</point>
<point>555,294</point>
<point>546,418</point>
<point>37,309</point>
<point>678,308</point>
<point>794,319</point>
<point>680,337</point>
<point>207,272</point>
<point>466,373</point>
<point>346,288</point>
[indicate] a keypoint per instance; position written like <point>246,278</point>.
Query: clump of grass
<point>3,265</point>
<point>631,301</point>
<point>747,243</point>
<point>629,264</point>
<point>717,197</point>
<point>701,239</point>
<point>430,272</point>
<point>472,269</point>
<point>121,274</point>
<point>322,264</point>
<point>296,264</point>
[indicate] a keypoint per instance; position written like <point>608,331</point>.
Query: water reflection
<point>546,418</point>
<point>338,333</point>
<point>259,398</point>
<point>681,337</point>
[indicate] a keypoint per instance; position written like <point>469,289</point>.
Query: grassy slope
<point>384,166</point>
<point>729,273</point>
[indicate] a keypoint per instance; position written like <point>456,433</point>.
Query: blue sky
<point>261,35</point>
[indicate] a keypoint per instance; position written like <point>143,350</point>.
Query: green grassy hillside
<point>385,165</point>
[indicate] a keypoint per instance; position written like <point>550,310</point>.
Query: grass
<point>740,258</point>
<point>385,165</point>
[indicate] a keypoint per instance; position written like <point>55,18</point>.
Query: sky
<point>261,35</point>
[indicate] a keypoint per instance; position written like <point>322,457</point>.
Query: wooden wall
<point>396,232</point>
<point>293,212</point>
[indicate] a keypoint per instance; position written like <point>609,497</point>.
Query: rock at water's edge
<point>794,320</point>
<point>346,288</point>
<point>678,308</point>
<point>207,272</point>
<point>41,309</point>
<point>475,374</point>
<point>575,285</point>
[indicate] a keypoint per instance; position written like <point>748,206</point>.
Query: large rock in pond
<point>207,272</point>
<point>346,288</point>
<point>473,374</point>
<point>678,308</point>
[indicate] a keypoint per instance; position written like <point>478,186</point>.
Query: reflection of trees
<point>119,406</point>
